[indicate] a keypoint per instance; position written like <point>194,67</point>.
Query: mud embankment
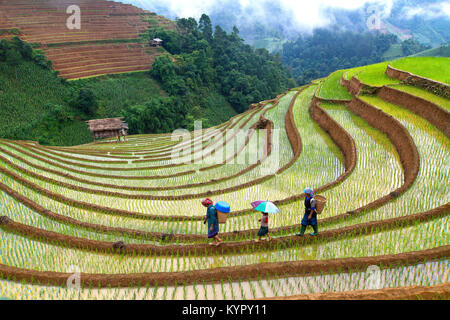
<point>436,87</point>
<point>338,134</point>
<point>354,85</point>
<point>84,205</point>
<point>400,138</point>
<point>239,247</point>
<point>437,116</point>
<point>214,275</point>
<point>438,292</point>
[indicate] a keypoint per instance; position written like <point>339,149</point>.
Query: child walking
<point>264,230</point>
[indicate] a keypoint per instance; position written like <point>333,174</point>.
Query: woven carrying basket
<point>321,203</point>
<point>221,216</point>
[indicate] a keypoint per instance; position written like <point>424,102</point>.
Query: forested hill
<point>200,75</point>
<point>317,55</point>
<point>218,61</point>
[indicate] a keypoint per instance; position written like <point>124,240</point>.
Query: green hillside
<point>441,51</point>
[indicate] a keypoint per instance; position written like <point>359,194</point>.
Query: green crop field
<point>372,75</point>
<point>126,219</point>
<point>436,68</point>
<point>331,88</point>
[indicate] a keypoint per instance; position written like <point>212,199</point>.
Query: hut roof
<point>157,40</point>
<point>105,124</point>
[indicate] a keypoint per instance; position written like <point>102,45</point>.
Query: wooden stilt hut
<point>108,128</point>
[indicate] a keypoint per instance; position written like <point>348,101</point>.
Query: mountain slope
<point>108,41</point>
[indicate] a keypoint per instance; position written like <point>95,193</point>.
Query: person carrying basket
<point>213,222</point>
<point>310,217</point>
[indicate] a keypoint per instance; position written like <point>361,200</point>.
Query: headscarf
<point>309,191</point>
<point>207,202</point>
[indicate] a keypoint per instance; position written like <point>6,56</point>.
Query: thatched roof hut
<point>108,128</point>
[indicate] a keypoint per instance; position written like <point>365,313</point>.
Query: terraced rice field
<point>126,219</point>
<point>108,41</point>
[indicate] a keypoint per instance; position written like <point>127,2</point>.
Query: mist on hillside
<point>291,17</point>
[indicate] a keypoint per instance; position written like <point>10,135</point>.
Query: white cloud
<point>310,10</point>
<point>307,14</point>
<point>429,11</point>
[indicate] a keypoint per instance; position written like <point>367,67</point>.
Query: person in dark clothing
<point>213,222</point>
<point>310,217</point>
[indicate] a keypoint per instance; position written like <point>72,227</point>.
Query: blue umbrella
<point>267,207</point>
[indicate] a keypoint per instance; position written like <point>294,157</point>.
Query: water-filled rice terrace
<point>127,217</point>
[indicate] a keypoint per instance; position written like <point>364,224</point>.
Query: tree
<point>171,40</point>
<point>325,51</point>
<point>86,101</point>
<point>205,26</point>
<point>13,59</point>
<point>411,46</point>
<point>207,63</point>
<point>158,115</point>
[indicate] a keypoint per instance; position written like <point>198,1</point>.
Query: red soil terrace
<point>80,53</point>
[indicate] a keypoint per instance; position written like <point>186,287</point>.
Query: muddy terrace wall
<point>437,292</point>
<point>437,116</point>
<point>354,86</point>
<point>342,138</point>
<point>43,235</point>
<point>88,206</point>
<point>249,272</point>
<point>57,164</point>
<point>436,87</point>
<point>338,134</point>
<point>400,138</point>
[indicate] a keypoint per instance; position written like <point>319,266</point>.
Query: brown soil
<point>436,87</point>
<point>338,134</point>
<point>249,272</point>
<point>437,116</point>
<point>354,86</point>
<point>400,138</point>
<point>438,292</point>
<point>225,248</point>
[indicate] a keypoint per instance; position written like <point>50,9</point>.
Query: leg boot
<point>302,231</point>
<point>316,230</point>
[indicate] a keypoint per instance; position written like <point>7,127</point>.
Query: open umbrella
<point>257,203</point>
<point>266,206</point>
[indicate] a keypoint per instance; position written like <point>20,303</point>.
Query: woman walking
<point>310,217</point>
<point>213,222</point>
